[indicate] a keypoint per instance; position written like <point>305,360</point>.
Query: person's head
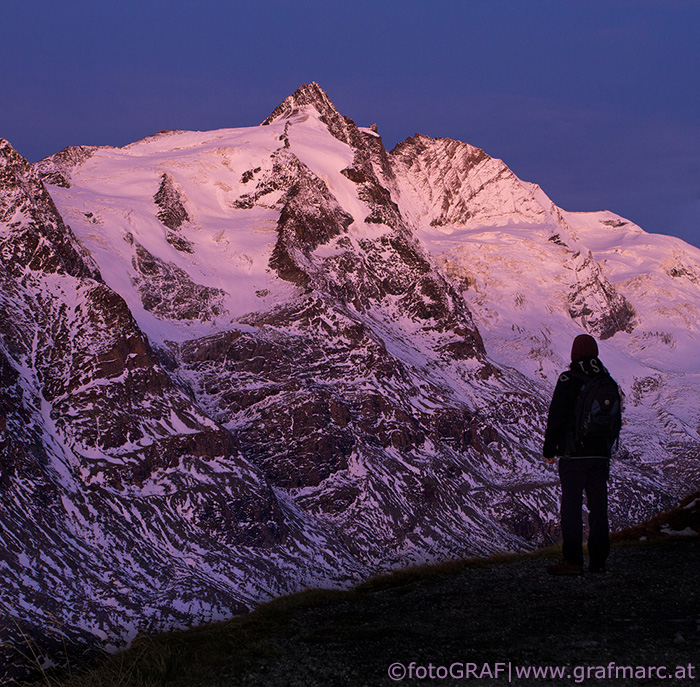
<point>584,346</point>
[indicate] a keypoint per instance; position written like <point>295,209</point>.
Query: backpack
<point>597,413</point>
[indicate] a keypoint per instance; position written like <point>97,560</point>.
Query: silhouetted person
<point>582,426</point>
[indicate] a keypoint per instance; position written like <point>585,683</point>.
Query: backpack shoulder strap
<point>581,376</point>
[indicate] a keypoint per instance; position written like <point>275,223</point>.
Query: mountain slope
<point>496,616</point>
<point>244,361</point>
<point>124,505</point>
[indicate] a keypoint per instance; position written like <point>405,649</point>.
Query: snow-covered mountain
<point>240,362</point>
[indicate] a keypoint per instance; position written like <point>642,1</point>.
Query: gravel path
<point>644,613</point>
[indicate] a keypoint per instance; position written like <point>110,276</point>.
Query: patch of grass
<point>434,572</point>
<point>201,654</point>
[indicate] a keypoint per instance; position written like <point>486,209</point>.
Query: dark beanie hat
<point>584,346</point>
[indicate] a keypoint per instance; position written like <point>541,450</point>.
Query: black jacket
<point>562,408</point>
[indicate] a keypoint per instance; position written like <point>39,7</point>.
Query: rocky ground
<point>644,612</point>
<point>477,622</point>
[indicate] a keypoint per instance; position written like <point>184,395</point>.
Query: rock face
<point>267,358</point>
<point>457,185</point>
<point>117,490</point>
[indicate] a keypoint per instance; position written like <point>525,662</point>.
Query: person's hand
<point>551,460</point>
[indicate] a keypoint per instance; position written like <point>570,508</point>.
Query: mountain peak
<point>312,96</point>
<point>307,94</point>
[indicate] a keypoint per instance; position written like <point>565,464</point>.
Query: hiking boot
<point>565,568</point>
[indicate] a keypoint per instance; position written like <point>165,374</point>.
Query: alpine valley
<point>239,363</point>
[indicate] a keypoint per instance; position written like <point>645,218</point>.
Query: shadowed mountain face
<point>241,362</point>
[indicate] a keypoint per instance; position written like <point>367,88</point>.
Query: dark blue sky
<point>596,101</point>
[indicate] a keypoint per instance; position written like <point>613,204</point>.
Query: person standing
<point>582,425</point>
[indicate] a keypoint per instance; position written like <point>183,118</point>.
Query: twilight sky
<point>598,101</point>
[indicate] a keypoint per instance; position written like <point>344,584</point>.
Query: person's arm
<point>558,419</point>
